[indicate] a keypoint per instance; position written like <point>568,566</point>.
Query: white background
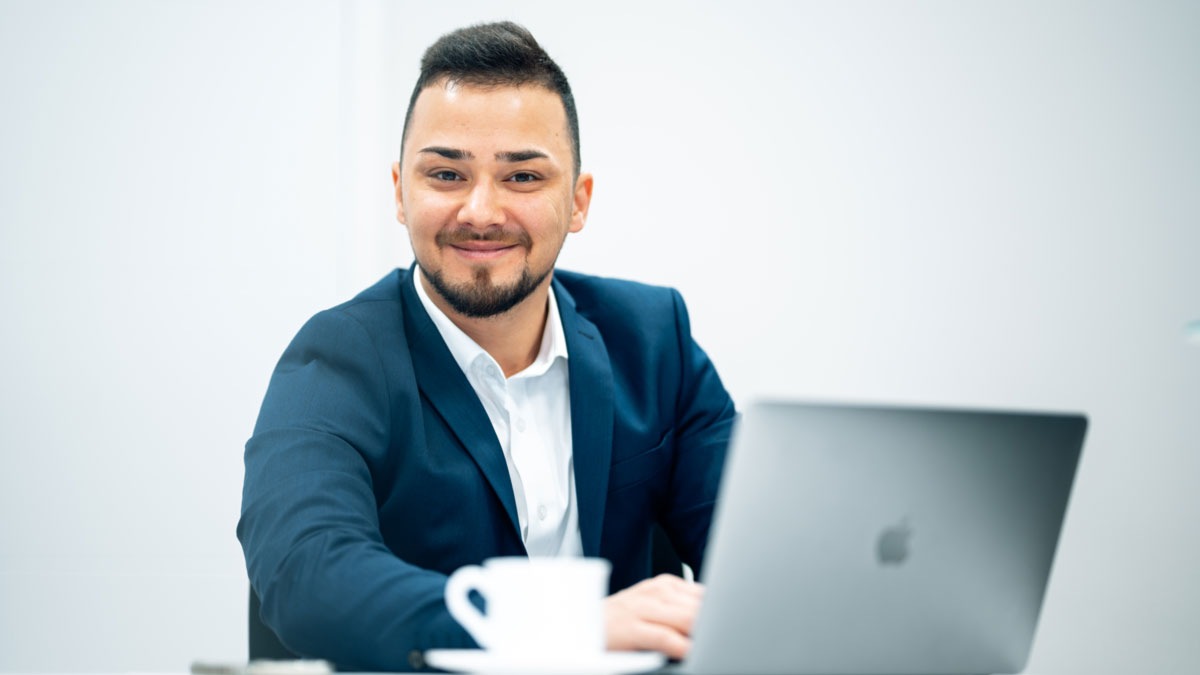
<point>992,204</point>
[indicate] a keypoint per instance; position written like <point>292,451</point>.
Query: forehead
<point>479,119</point>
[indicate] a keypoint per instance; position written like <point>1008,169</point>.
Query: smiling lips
<point>485,245</point>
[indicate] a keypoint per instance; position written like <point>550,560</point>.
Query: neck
<point>514,337</point>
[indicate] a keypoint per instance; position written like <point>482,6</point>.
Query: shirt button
<point>542,512</point>
<point>521,424</point>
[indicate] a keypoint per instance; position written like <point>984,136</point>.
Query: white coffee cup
<point>535,606</point>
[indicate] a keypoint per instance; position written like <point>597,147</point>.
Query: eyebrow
<point>520,155</point>
<point>505,156</point>
<point>449,153</point>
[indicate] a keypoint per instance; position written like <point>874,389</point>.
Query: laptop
<point>882,540</point>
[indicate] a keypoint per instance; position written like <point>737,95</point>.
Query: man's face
<point>487,192</point>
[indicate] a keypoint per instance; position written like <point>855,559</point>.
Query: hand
<point>654,614</point>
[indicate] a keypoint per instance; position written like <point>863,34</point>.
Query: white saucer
<point>491,663</point>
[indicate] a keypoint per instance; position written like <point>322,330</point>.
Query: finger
<point>660,638</point>
<point>681,583</point>
<point>678,613</point>
<point>670,585</point>
<point>664,606</point>
<point>672,590</point>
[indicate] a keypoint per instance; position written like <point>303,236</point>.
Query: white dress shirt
<point>531,414</point>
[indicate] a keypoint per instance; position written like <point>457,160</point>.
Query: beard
<point>482,297</point>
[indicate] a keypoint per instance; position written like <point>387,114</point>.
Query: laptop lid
<point>867,539</point>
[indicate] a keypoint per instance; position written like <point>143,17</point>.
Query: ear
<point>399,193</point>
<point>583,199</point>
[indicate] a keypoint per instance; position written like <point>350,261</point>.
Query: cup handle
<point>458,601</point>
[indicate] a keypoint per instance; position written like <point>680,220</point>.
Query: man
<point>481,403</point>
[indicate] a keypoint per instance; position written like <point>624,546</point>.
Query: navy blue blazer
<point>373,471</point>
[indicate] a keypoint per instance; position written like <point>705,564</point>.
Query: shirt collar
<point>466,351</point>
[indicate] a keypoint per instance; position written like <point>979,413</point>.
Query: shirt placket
<point>531,457</point>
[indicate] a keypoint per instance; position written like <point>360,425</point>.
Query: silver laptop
<point>881,540</point>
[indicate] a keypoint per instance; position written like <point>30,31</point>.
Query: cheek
<point>555,213</point>
<point>427,211</point>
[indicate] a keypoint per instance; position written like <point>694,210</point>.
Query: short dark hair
<point>494,55</point>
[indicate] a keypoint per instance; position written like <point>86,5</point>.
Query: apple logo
<point>892,545</point>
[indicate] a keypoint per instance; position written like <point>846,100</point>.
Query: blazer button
<point>416,659</point>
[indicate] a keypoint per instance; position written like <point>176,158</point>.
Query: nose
<point>483,207</point>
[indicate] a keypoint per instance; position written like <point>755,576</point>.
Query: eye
<point>523,177</point>
<point>445,175</point>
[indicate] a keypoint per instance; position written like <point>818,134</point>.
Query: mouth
<point>483,247</point>
<point>483,250</point>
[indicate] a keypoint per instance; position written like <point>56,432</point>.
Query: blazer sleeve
<point>309,524</point>
<point>704,416</point>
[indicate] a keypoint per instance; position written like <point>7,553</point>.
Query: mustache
<point>462,235</point>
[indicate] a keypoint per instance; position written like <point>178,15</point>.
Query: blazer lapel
<point>448,391</point>
<point>591,387</point>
